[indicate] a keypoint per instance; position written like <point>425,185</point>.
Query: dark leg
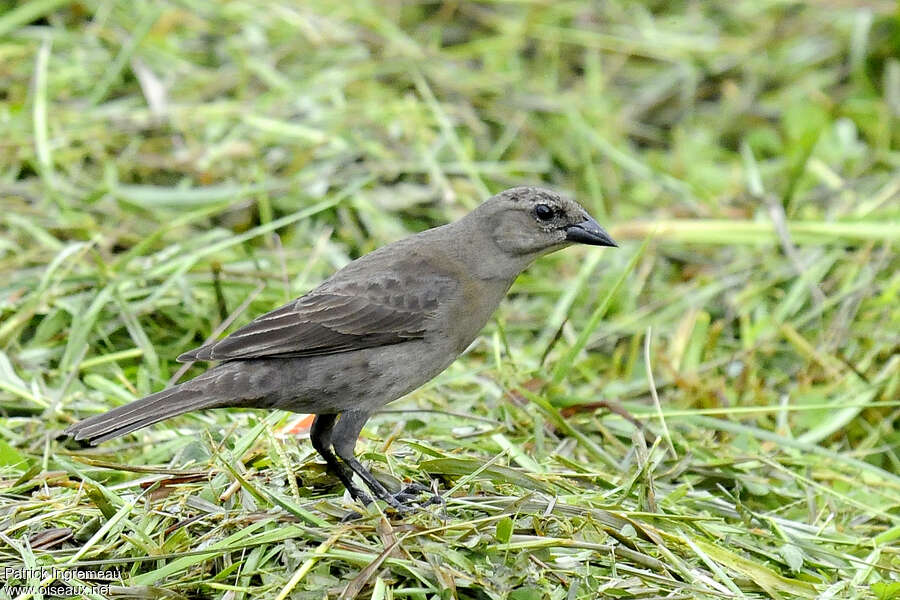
<point>320,435</point>
<point>344,437</point>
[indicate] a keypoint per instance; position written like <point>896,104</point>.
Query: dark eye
<point>543,212</point>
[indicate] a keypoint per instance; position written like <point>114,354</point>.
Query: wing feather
<point>385,310</point>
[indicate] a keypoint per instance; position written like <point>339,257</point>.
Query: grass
<point>167,167</point>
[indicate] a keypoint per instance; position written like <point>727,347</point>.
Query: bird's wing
<point>341,315</point>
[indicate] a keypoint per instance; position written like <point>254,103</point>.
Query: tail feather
<point>146,411</point>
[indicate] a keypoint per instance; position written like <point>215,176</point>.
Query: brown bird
<point>374,331</point>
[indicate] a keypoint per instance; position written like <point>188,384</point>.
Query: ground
<point>709,411</point>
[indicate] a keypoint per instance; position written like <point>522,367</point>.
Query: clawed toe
<point>350,517</point>
<point>407,501</point>
<point>415,488</point>
<point>413,494</point>
<point>411,498</point>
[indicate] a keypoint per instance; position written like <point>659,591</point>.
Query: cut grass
<point>166,167</point>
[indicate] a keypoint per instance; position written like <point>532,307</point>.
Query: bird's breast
<point>472,309</point>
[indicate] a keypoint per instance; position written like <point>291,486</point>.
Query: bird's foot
<point>408,500</point>
<point>414,495</point>
<point>399,503</point>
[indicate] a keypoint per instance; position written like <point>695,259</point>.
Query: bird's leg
<point>320,435</point>
<point>346,432</point>
<point>344,437</point>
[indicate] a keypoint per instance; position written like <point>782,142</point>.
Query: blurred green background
<point>161,163</point>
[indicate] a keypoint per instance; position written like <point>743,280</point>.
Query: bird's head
<point>532,221</point>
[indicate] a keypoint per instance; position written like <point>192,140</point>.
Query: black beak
<point>589,232</point>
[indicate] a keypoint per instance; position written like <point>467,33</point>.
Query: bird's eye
<point>543,212</point>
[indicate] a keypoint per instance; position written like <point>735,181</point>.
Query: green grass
<point>161,163</point>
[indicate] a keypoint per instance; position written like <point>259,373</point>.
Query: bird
<point>377,329</point>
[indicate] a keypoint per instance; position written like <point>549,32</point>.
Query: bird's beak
<point>589,232</point>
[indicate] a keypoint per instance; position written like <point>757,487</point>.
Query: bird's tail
<point>176,400</point>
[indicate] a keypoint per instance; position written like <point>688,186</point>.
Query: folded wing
<point>336,317</point>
